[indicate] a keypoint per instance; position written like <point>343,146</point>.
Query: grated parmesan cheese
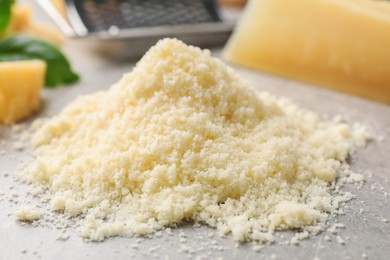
<point>28,213</point>
<point>183,137</point>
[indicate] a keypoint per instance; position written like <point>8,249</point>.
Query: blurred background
<point>127,28</point>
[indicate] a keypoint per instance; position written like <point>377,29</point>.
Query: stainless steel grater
<point>136,23</point>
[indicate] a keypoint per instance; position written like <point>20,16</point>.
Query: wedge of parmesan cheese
<point>317,41</point>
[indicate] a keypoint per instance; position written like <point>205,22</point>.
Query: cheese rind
<point>20,87</point>
<point>343,45</point>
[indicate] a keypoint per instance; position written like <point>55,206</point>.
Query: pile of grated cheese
<point>183,137</point>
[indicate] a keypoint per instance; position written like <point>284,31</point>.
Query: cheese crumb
<point>340,240</point>
<point>183,137</point>
<point>28,213</point>
<point>63,237</point>
<point>257,248</point>
<point>333,229</point>
<point>18,146</point>
<point>299,236</point>
<point>294,215</point>
<point>355,178</point>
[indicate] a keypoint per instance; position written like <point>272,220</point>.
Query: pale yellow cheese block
<point>20,87</point>
<point>20,19</point>
<point>340,44</point>
<point>20,23</point>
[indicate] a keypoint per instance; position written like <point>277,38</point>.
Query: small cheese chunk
<point>294,215</point>
<point>20,86</point>
<point>28,213</point>
<point>20,18</point>
<point>21,23</point>
<point>340,44</point>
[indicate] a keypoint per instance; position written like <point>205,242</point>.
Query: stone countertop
<point>366,232</point>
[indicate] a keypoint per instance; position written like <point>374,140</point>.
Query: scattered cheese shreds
<point>28,213</point>
<point>183,137</point>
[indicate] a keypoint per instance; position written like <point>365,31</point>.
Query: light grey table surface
<point>366,234</point>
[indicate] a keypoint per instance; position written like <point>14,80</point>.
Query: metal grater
<point>108,19</point>
<point>138,22</point>
<point>100,15</point>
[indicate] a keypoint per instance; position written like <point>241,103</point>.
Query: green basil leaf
<point>5,13</point>
<point>15,57</point>
<point>21,47</point>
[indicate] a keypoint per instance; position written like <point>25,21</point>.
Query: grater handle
<point>74,19</point>
<point>61,22</point>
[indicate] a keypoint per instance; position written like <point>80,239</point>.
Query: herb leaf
<point>5,13</point>
<point>21,47</point>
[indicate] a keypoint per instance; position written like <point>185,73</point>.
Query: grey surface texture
<point>366,233</point>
